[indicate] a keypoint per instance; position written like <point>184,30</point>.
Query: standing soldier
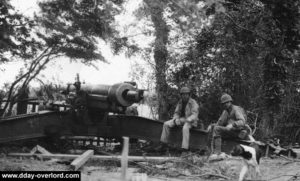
<point>231,122</point>
<point>186,115</point>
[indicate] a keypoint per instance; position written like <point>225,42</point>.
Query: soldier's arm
<point>222,119</point>
<point>240,119</point>
<point>195,112</point>
<point>176,112</point>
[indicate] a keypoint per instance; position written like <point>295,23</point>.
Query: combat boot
<point>184,152</point>
<point>163,147</point>
<point>216,154</point>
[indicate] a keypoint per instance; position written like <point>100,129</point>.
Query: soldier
<point>186,115</point>
<point>132,110</point>
<point>231,122</point>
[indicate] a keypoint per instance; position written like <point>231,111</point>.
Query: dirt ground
<point>276,169</point>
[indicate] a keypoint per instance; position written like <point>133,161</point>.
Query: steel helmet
<point>225,98</point>
<point>185,90</point>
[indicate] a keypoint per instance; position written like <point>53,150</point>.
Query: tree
<point>15,29</point>
<point>66,29</point>
<point>167,15</point>
<point>15,41</point>
<point>249,51</point>
<point>279,64</point>
<point>156,9</point>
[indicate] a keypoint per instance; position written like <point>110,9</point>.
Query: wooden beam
<point>79,161</point>
<point>33,151</point>
<point>124,159</point>
<point>100,157</point>
<point>297,151</point>
<point>40,149</point>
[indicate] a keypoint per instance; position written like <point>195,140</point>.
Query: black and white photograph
<point>150,90</point>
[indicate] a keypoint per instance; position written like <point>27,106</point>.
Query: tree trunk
<point>160,55</point>
<point>22,101</point>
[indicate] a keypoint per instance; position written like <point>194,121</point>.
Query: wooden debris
<point>100,157</point>
<point>267,150</point>
<point>139,177</point>
<point>124,159</point>
<point>79,161</point>
<point>33,151</point>
<point>291,175</point>
<point>76,151</point>
<point>287,158</point>
<point>297,152</point>
<point>40,149</point>
<point>208,174</point>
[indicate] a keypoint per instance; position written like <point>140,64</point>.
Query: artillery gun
<point>99,111</point>
<point>96,111</point>
<point>91,104</point>
<point>90,110</point>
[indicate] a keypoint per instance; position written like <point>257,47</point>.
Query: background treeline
<point>249,49</point>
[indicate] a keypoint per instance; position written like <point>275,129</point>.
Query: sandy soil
<point>277,169</point>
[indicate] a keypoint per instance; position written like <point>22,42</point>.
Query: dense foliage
<point>62,29</point>
<point>250,51</point>
<point>15,38</point>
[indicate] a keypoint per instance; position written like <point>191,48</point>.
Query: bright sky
<point>117,71</point>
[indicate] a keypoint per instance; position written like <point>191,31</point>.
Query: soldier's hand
<point>188,120</point>
<point>177,121</point>
<point>209,128</point>
<point>229,126</point>
<point>182,120</point>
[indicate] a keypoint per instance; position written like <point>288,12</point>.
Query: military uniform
<point>236,116</point>
<point>184,115</point>
<point>231,122</point>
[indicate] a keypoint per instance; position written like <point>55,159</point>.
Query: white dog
<point>251,157</point>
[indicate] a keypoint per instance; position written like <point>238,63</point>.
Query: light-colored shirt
<point>191,110</point>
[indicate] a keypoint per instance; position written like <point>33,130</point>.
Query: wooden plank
<point>79,161</point>
<point>42,150</point>
<point>100,157</point>
<point>297,151</point>
<point>124,159</point>
<point>33,151</point>
<point>288,176</point>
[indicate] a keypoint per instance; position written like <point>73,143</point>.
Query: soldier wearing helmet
<point>231,122</point>
<point>186,115</point>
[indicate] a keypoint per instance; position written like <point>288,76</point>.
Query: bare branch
<point>26,75</point>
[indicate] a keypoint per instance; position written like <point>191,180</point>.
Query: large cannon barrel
<point>113,98</point>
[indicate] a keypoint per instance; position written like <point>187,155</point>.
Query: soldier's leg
<point>166,130</point>
<point>217,144</point>
<point>218,133</point>
<point>186,135</point>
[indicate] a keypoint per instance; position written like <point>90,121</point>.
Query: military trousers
<point>225,132</point>
<point>185,132</point>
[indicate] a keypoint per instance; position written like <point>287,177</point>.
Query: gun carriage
<point>96,111</point>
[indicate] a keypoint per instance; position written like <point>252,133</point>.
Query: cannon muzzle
<point>107,98</point>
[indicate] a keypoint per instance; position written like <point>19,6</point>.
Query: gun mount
<point>88,115</point>
<point>90,104</point>
<point>104,98</point>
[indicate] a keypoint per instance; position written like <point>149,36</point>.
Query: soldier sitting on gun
<point>186,115</point>
<point>232,124</point>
